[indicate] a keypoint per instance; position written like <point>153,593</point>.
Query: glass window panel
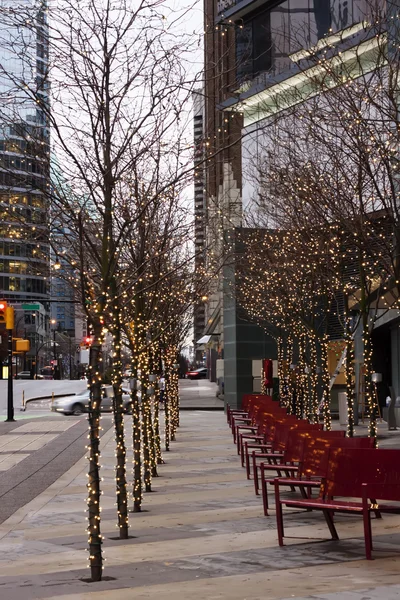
<point>280,36</point>
<point>320,10</point>
<point>261,43</point>
<point>244,51</point>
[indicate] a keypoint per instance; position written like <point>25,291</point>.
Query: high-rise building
<point>199,216</point>
<point>24,172</point>
<point>24,151</point>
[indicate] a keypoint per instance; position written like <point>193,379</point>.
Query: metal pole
<point>10,396</point>
<point>70,357</point>
<point>54,354</point>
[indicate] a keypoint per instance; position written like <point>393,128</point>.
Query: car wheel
<point>78,409</point>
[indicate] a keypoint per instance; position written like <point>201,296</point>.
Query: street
<point>194,394</point>
<point>35,389</point>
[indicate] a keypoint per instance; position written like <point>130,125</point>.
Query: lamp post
<point>55,361</point>
<point>70,356</point>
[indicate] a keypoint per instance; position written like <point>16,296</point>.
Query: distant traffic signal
<point>6,315</point>
<point>3,309</point>
<point>86,342</point>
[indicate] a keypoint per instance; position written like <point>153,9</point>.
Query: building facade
<point>232,339</point>
<point>199,219</point>
<point>258,56</point>
<point>24,172</point>
<point>24,154</point>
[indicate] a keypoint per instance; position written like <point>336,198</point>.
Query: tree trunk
<point>157,437</point>
<point>370,399</point>
<point>93,485</point>
<point>120,475</point>
<point>325,379</point>
<point>137,458</point>
<point>313,382</point>
<point>146,431</point>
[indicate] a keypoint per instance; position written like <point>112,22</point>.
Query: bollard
<point>23,407</point>
<point>52,399</point>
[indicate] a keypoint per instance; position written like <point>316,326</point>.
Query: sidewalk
<point>203,536</point>
<point>199,395</point>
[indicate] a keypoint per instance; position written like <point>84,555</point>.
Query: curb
<point>202,408</point>
<point>23,409</point>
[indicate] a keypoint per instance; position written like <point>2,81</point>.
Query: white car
<point>79,403</point>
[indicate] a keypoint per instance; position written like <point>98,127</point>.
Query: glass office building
<point>24,151</point>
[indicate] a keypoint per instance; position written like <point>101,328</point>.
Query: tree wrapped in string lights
<point>335,167</point>
<point>285,287</point>
<point>118,85</point>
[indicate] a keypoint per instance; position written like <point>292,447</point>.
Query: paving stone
<point>202,533</point>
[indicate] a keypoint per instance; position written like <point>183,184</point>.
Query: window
<point>253,46</point>
<point>264,39</point>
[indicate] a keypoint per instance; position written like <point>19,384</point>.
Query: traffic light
<point>3,310</point>
<point>86,342</point>
<point>6,315</point>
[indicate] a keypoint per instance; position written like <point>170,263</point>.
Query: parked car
<point>79,403</point>
<point>27,375</point>
<point>47,372</point>
<point>200,373</point>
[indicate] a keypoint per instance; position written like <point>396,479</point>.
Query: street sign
<point>30,306</point>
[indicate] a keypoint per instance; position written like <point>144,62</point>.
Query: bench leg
<point>279,515</point>
<point>264,491</point>
<point>303,492</point>
<point>247,463</point>
<point>377,512</point>
<point>255,473</point>
<point>288,474</point>
<point>329,521</point>
<point>242,452</point>
<point>367,534</point>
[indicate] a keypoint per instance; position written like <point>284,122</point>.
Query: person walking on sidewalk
<point>161,385</point>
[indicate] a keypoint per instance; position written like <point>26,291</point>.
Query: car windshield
<point>83,394</point>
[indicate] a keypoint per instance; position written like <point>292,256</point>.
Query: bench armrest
<point>305,483</point>
<point>267,454</point>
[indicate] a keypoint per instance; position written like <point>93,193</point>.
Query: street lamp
<point>54,323</point>
<point>57,264</point>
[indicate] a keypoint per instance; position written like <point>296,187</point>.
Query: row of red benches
<point>284,451</point>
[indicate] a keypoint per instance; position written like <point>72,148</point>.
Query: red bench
<point>263,432</point>
<point>369,475</point>
<point>245,420</point>
<point>315,462</point>
<point>278,453</point>
<point>252,423</point>
<point>309,449</point>
<point>260,439</point>
<point>263,440</point>
<point>247,401</point>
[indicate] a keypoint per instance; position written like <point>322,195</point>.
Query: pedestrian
<point>161,385</point>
